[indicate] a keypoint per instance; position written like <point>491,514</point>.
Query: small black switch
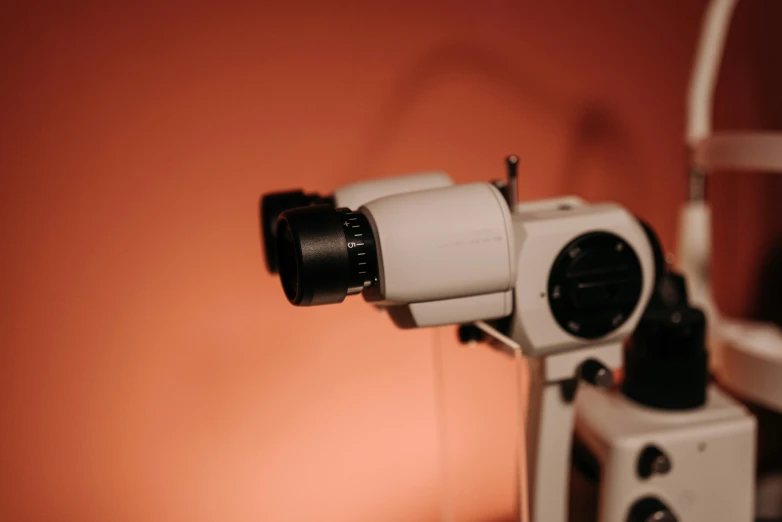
<point>650,509</point>
<point>652,461</point>
<point>469,333</point>
<point>596,374</point>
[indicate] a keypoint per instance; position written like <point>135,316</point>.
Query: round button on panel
<point>650,509</point>
<point>652,461</point>
<point>324,254</point>
<point>594,284</point>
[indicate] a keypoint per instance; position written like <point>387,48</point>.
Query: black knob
<point>324,254</point>
<point>652,461</point>
<point>650,509</point>
<point>596,374</point>
<point>594,285</point>
<point>470,333</point>
<point>666,362</point>
<point>274,204</point>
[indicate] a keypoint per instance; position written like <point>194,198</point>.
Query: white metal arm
<point>550,427</point>
<point>742,150</point>
<point>760,151</point>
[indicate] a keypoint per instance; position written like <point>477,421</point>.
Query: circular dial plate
<point>362,257</point>
<point>594,285</point>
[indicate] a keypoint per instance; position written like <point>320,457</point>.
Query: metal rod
<point>511,191</point>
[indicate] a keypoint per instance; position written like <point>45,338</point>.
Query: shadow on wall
<point>765,44</point>
<point>602,162</point>
<point>439,64</point>
<point>765,56</point>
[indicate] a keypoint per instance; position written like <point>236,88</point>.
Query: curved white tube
<point>694,258</point>
<point>694,247</point>
<point>758,151</point>
<point>703,80</point>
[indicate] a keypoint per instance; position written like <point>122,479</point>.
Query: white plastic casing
<point>542,230</point>
<point>746,356</point>
<point>447,253</point>
<point>354,195</point>
<point>694,249</point>
<point>711,450</point>
<point>749,361</point>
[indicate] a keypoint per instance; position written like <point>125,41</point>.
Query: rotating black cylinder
<point>272,206</point>
<point>666,362</point>
<point>324,254</point>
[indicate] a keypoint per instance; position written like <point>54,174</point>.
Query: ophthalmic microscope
<point>564,281</point>
<point>352,196</point>
<point>666,445</point>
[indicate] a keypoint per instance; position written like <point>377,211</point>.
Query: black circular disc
<point>324,254</point>
<point>312,255</point>
<point>594,285</point>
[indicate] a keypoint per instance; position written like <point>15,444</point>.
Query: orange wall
<point>151,370</point>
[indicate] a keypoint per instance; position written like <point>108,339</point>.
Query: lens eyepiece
<point>325,254</point>
<point>272,205</point>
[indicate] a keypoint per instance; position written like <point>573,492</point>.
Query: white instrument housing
<point>570,281</point>
<point>710,451</point>
<point>456,255</point>
<point>444,255</point>
<point>749,361</point>
<point>356,194</point>
<point>542,230</point>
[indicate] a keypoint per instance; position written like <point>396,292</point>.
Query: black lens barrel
<point>324,254</point>
<point>274,204</point>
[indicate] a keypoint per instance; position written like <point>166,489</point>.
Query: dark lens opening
<point>272,206</point>
<point>317,264</point>
<point>288,262</point>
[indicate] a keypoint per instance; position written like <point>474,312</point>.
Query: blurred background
<point>150,368</point>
